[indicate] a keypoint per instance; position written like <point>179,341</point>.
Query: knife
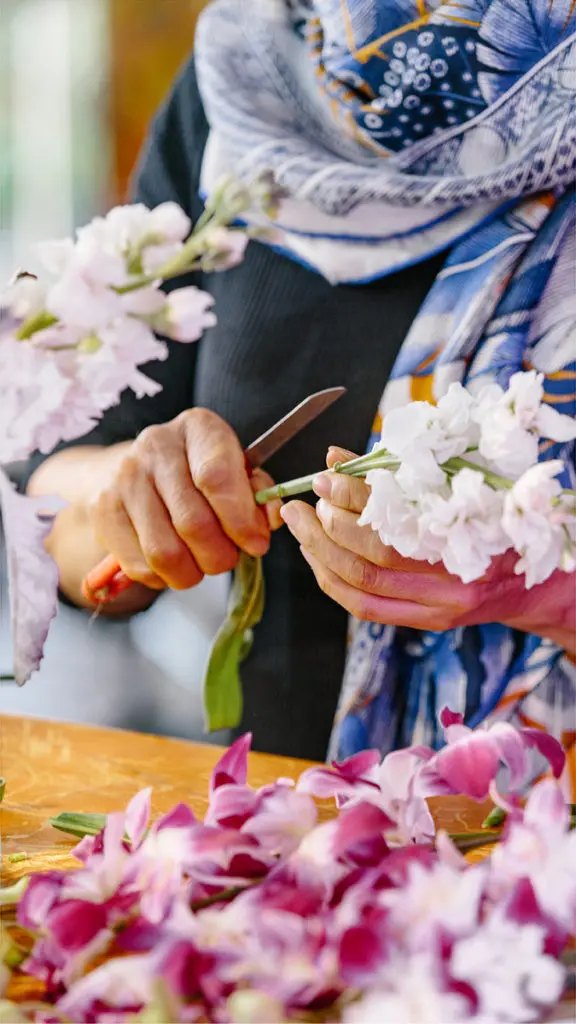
<point>107,580</point>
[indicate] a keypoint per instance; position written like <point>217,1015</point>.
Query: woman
<point>403,138</point>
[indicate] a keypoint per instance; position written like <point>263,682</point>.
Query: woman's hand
<point>374,583</point>
<point>180,504</point>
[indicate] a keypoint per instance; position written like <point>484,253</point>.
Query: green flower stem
<point>498,483</point>
<point>377,460</point>
<point>472,840</point>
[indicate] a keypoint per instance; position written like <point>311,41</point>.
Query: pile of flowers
<point>460,482</point>
<point>261,913</point>
<point>70,346</point>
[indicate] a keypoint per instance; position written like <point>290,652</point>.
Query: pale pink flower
<point>466,526</point>
<point>187,314</point>
<point>25,297</point>
<point>512,422</point>
<point>224,248</point>
<point>539,525</point>
<point>396,517</point>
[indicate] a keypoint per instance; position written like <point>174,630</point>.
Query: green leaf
<point>2,789</point>
<point>222,683</point>
<point>79,825</point>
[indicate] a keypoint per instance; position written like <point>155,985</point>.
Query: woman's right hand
<point>180,504</point>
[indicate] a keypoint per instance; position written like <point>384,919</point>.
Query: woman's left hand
<point>375,583</point>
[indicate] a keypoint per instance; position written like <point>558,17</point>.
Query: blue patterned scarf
<point>401,128</point>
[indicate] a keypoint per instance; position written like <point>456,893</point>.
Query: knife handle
<point>107,580</point>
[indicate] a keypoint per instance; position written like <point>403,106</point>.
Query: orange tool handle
<point>105,582</point>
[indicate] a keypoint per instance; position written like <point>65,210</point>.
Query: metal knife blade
<point>265,446</point>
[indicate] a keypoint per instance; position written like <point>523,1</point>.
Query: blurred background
<point>79,83</point>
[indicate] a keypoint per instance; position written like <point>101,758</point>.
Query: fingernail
<point>322,486</point>
<point>257,545</point>
<point>323,510</point>
<point>290,515</point>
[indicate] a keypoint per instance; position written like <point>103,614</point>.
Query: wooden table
<point>51,767</point>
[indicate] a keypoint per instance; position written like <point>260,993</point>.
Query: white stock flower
<point>394,516</point>
<point>539,524</point>
<point>456,420</point>
<point>505,964</point>
<point>24,297</point>
<point>512,422</point>
<point>187,314</point>
<point>34,391</point>
<point>466,526</point>
<point>224,248</point>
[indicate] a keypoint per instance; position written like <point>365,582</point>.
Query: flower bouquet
<point>261,912</point>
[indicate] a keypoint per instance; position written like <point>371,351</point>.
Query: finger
<point>445,595</point>
<point>218,471</point>
<point>342,526</point>
<point>260,481</point>
<point>165,553</point>
<point>347,492</point>
<point>336,454</point>
<point>191,515</point>
<point>114,531</point>
<point>371,608</point>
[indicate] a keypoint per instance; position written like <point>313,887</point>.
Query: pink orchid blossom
<point>389,785</point>
<point>472,758</point>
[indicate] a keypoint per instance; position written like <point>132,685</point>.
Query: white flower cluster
<point>68,349</point>
<point>466,484</point>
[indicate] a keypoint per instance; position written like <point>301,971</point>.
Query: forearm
<point>77,475</point>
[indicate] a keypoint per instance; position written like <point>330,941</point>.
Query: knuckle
<point>203,419</point>
<point>129,469</point>
<point>150,439</point>
<point>162,558</point>
<point>190,523</point>
<point>365,574</point>
<point>213,473</point>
